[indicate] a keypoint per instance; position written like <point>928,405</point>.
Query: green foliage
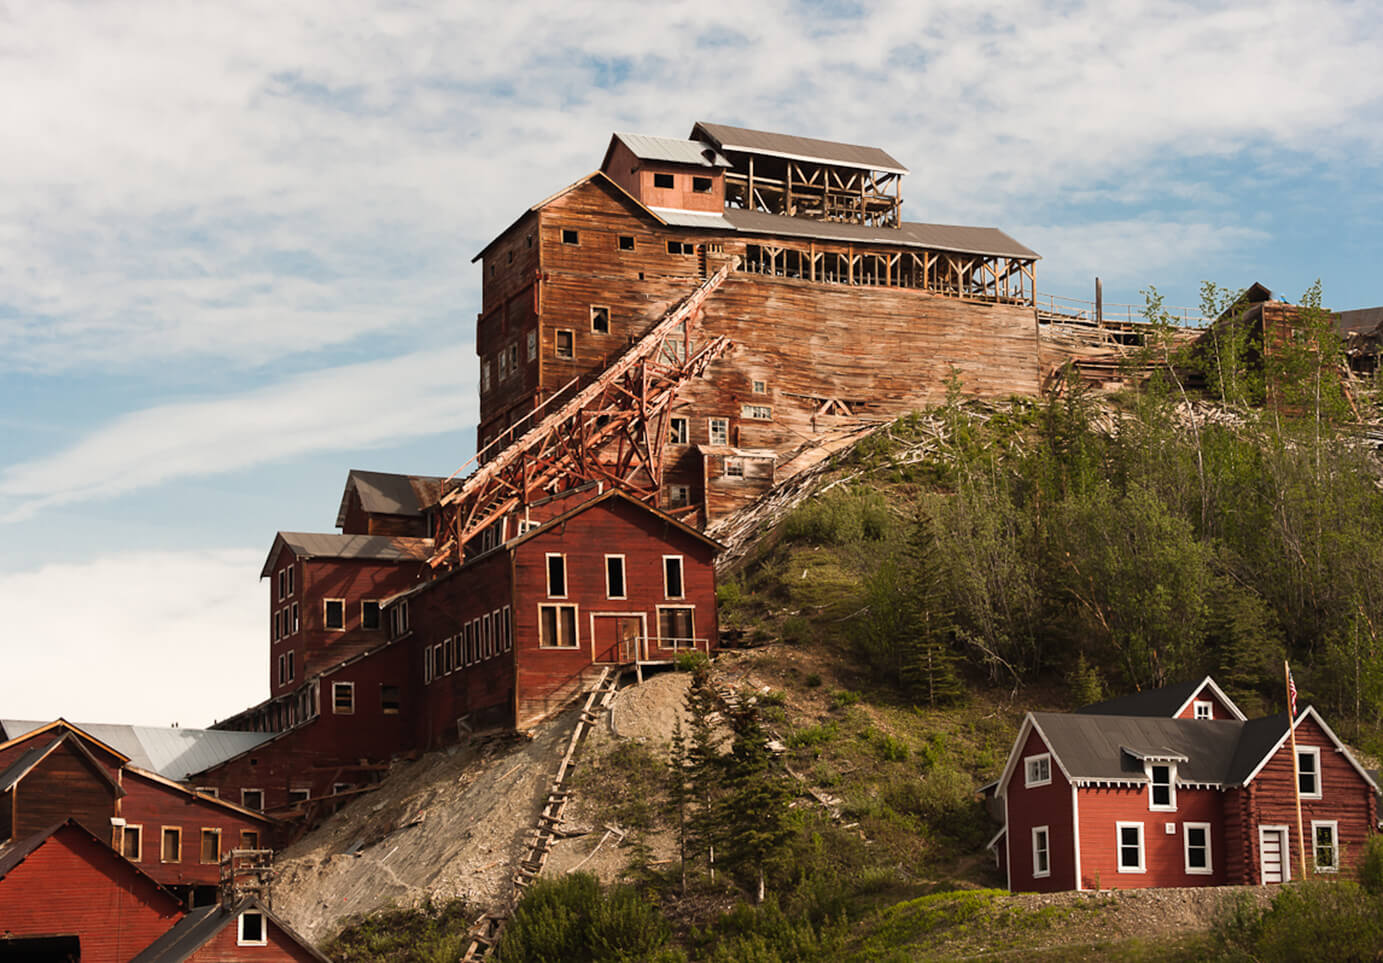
<point>813,735</point>
<point>796,628</point>
<point>839,518</point>
<point>1314,920</point>
<point>813,680</point>
<point>430,934</point>
<point>844,698</point>
<point>753,813</point>
<point>631,798</point>
<point>692,661</point>
<point>569,918</point>
<point>1371,866</point>
<point>1084,683</point>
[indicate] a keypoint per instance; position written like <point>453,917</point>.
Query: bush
<point>796,629</point>
<point>843,698</point>
<point>1321,920</point>
<point>430,932</point>
<point>570,919</point>
<point>839,518</point>
<point>813,680</point>
<point>1371,866</point>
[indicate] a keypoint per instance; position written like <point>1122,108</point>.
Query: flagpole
<point>1296,763</point>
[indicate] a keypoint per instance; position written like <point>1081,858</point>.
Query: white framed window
<point>1037,770</point>
<point>1325,845</point>
<point>757,412</point>
<point>503,366</point>
<point>334,613</point>
<point>448,659</point>
<point>557,627</point>
<point>299,795</point>
<point>676,627</point>
<point>1041,852</point>
<point>278,624</point>
<point>677,431</point>
<point>290,571</point>
<point>678,496</point>
<point>1196,845</point>
<point>282,666</point>
<point>485,375</point>
<point>718,430</point>
<point>250,929</point>
<point>600,319</point>
<point>1309,772</point>
<point>283,584</point>
<point>468,642</point>
<point>673,587</point>
<point>398,619</point>
<point>734,468</point>
<point>759,387</point>
<point>564,343</point>
<point>132,842</point>
<point>292,664</point>
<point>1203,709</point>
<point>1128,838</point>
<point>532,345</point>
<point>1162,791</point>
<point>296,622</point>
<point>556,575</point>
<point>343,698</point>
<point>614,577</point>
<point>252,798</point>
<point>437,670</point>
<point>170,849</point>
<point>514,358</point>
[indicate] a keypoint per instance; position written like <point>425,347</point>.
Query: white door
<point>1273,856</point>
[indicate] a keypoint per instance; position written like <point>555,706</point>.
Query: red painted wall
<point>1049,806</point>
<point>1206,694</point>
<point>74,884</point>
<point>1164,861</point>
<point>222,948</point>
<point>65,784</point>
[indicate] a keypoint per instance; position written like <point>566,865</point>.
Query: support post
<point>1296,764</point>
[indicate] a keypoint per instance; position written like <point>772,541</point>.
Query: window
<point>557,626</point>
<point>278,625</point>
<point>677,431</point>
<point>503,366</point>
<point>600,319</point>
<point>1161,791</point>
<point>532,345</point>
<point>672,576</point>
<point>487,631</point>
<point>614,577</point>
<point>556,576</point>
<point>563,345</point>
<point>343,698</point>
<point>1325,844</point>
<point>249,839</point>
<point>389,699</point>
<point>283,676</point>
<point>296,622</point>
<point>290,581</point>
<point>468,642</point>
<point>448,665</point>
<point>369,615</point>
<point>132,842</point>
<point>334,613</point>
<point>718,431</point>
<point>485,376</point>
<point>508,630</point>
<point>1203,710</point>
<point>250,929</point>
<point>626,242</point>
<point>570,237</point>
<point>1197,843</point>
<point>283,584</point>
<point>292,664</point>
<point>1309,772</point>
<point>665,181</point>
<point>681,247</point>
<point>252,798</point>
<point>437,669</point>
<point>701,185</point>
<point>678,496</point>
<point>211,791</point>
<point>1130,843</point>
<point>211,845</point>
<point>675,626</point>
<point>1037,770</point>
<point>427,666</point>
<point>757,412</point>
<point>759,387</point>
<point>171,849</point>
<point>514,358</point>
<point>1041,852</point>
<point>734,468</point>
<point>398,619</point>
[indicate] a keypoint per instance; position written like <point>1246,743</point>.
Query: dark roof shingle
<point>743,139</point>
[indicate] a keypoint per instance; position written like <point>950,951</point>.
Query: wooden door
<point>1274,858</point>
<point>616,637</point>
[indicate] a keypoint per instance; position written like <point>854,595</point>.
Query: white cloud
<point>348,408</point>
<point>145,638</point>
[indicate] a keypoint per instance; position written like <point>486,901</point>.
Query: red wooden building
<point>1194,795</point>
<point>246,932</point>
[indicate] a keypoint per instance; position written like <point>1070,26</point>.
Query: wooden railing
<point>1081,311</point>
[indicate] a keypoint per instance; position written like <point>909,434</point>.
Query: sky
<point>236,240</point>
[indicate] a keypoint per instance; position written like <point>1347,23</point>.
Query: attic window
<point>701,185</point>
<point>664,181</point>
<point>570,237</point>
<point>1037,770</point>
<point>626,242</point>
<point>250,930</point>
<point>1309,772</point>
<point>1161,791</point>
<point>252,798</point>
<point>1204,710</point>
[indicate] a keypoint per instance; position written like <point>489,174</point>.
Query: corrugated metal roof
<point>698,219</point>
<point>729,138</point>
<point>989,241</point>
<point>333,545</point>
<point>672,150</point>
<point>172,753</point>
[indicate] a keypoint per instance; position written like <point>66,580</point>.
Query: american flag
<point>1291,695</point>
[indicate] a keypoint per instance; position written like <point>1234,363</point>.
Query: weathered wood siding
<point>65,784</point>
<point>1028,808</point>
<point>1164,858</point>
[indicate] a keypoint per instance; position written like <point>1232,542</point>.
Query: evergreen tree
<point>754,809</point>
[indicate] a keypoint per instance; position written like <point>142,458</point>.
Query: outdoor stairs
<point>486,930</point>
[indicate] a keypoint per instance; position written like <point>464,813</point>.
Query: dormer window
<point>1161,787</point>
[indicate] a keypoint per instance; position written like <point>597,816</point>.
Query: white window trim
<point>240,929</point>
<point>624,577</point>
<point>330,628</point>
<point>1315,752</point>
<point>675,644</point>
<point>576,626</point>
<point>757,412</point>
<point>1119,828</point>
<point>246,805</point>
<point>487,626</point>
<point>682,576</point>
<point>679,496</point>
<point>1203,704</point>
<point>1334,825</point>
<point>1171,806</point>
<point>1209,868</point>
<point>594,309</point>
<point>337,710</point>
<point>1046,847</point>
<point>676,437</point>
<point>724,432</point>
<point>556,343</point>
<point>547,575</point>
<point>1028,762</point>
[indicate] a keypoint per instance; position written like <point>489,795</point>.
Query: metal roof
<point>701,219</point>
<point>1096,748</point>
<point>333,545</point>
<point>388,493</point>
<point>197,928</point>
<point>171,752</point>
<point>743,139</point>
<point>670,149</point>
<point>989,241</point>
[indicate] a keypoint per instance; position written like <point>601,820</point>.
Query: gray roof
<point>172,753</point>
<point>196,929</point>
<point>1359,321</point>
<point>936,237</point>
<point>1094,748</point>
<point>705,220</point>
<point>671,149</point>
<point>388,493</point>
<point>748,141</point>
<point>26,761</point>
<point>1152,702</point>
<point>386,548</point>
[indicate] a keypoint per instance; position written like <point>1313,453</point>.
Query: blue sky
<point>235,240</point>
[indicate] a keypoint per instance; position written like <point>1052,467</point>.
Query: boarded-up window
<point>675,628</point>
<point>557,626</point>
<point>252,798</point>
<point>171,849</point>
<point>614,576</point>
<point>600,319</point>
<point>556,576</point>
<point>249,839</point>
<point>672,576</point>
<point>211,845</point>
<point>132,842</point>
<point>564,345</point>
<point>334,613</point>
<point>343,698</point>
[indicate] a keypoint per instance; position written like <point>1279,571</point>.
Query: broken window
<point>701,185</point>
<point>389,699</point>
<point>532,345</point>
<point>677,431</point>
<point>485,376</point>
<point>252,798</point>
<point>565,344</point>
<point>334,613</point>
<point>600,319</point>
<point>681,247</point>
<point>556,576</point>
<point>211,845</point>
<point>734,468</point>
<point>295,622</point>
<point>171,849</point>
<point>369,614</point>
<point>757,412</point>
<point>664,181</point>
<point>678,496</point>
<point>614,576</point>
<point>718,430</point>
<point>675,628</point>
<point>570,237</point>
<point>672,576</point>
<point>132,842</point>
<point>557,626</point>
<point>626,242</point>
<point>343,698</point>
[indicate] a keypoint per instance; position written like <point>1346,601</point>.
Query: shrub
<point>430,932</point>
<point>1321,920</point>
<point>843,698</point>
<point>839,518</point>
<point>570,919</point>
<point>813,680</point>
<point>796,628</point>
<point>691,661</point>
<point>1371,866</point>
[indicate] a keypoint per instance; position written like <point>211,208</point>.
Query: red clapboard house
<point>1194,795</point>
<point>246,932</point>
